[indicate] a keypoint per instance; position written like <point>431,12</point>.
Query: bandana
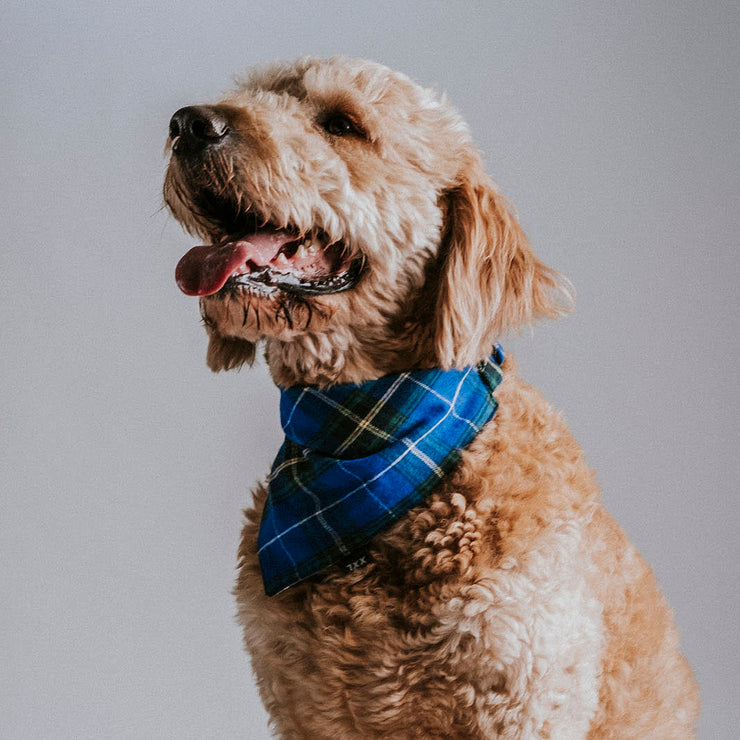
<point>356,458</point>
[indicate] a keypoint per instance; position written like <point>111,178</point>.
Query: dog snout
<point>198,127</point>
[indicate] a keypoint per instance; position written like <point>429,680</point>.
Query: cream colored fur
<point>509,605</point>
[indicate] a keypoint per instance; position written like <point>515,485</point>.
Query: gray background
<point>125,463</point>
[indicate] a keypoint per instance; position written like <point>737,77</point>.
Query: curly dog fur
<point>510,604</point>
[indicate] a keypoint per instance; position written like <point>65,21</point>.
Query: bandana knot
<point>356,458</point>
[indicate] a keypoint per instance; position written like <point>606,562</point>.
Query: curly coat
<point>510,604</point>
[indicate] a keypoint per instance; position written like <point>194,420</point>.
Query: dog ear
<point>491,282</point>
<point>228,353</point>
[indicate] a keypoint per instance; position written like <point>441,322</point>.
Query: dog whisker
<point>285,310</point>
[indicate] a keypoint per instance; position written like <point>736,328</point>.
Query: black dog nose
<point>197,127</point>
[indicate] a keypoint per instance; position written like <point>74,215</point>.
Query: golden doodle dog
<point>437,559</point>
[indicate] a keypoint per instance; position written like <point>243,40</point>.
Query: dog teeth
<point>301,252</point>
<point>312,248</point>
<point>281,259</point>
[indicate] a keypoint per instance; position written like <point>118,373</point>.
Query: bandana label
<point>359,561</point>
<point>356,458</point>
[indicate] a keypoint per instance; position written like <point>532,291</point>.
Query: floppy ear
<point>228,353</point>
<point>491,282</point>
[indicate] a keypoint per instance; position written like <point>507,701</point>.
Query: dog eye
<point>338,124</point>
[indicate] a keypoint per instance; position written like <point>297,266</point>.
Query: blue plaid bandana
<point>356,458</point>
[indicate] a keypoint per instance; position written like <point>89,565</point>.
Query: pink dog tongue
<point>204,270</point>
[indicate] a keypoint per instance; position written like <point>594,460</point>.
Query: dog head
<point>348,222</point>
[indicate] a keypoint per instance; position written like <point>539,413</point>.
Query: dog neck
<point>346,356</point>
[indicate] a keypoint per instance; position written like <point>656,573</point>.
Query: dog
<point>349,225</point>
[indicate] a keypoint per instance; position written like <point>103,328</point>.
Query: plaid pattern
<point>356,458</point>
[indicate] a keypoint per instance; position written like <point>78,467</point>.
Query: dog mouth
<point>269,259</point>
